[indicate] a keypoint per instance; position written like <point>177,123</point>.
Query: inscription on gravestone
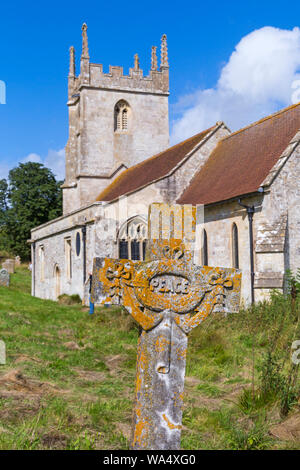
<point>168,296</point>
<point>4,278</point>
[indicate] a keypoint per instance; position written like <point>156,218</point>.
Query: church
<point>245,184</point>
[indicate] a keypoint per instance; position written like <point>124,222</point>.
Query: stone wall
<point>95,152</point>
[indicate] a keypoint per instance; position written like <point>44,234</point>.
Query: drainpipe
<point>250,212</point>
<point>84,252</point>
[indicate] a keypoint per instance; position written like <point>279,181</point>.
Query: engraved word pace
<point>169,284</point>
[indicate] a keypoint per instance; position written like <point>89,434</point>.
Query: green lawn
<point>69,378</point>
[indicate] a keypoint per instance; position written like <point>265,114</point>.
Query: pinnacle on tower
<point>164,52</point>
<point>136,63</point>
<point>85,47</point>
<point>153,58</point>
<point>85,58</point>
<point>72,62</point>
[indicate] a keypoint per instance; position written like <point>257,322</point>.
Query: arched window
<point>204,251</point>
<point>121,116</point>
<point>132,239</point>
<point>42,262</point>
<point>57,281</point>
<point>235,246</point>
<point>68,258</point>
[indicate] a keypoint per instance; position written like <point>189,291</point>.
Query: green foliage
<point>250,402</point>
<point>82,368</point>
<point>255,438</point>
<point>30,198</point>
<point>66,299</point>
<point>293,282</point>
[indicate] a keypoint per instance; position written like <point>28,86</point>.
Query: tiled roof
<point>151,169</point>
<point>240,162</point>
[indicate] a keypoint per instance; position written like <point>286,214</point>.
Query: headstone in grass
<point>4,278</point>
<point>17,260</point>
<point>9,265</point>
<point>168,295</point>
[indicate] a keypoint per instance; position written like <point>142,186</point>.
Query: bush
<point>66,299</point>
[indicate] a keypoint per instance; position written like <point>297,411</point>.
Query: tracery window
<point>121,116</point>
<point>132,239</point>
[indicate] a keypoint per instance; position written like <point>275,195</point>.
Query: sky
<point>231,61</point>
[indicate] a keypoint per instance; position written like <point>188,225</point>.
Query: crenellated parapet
<point>92,75</point>
<point>155,82</point>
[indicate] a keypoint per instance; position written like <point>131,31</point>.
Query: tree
<point>33,197</point>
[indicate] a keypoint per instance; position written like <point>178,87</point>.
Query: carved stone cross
<point>168,296</point>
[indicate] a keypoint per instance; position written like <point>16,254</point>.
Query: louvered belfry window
<point>121,116</point>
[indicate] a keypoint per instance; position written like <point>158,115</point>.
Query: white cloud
<point>257,80</point>
<point>32,157</point>
<point>55,160</point>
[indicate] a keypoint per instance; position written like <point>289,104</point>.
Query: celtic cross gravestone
<point>168,295</point>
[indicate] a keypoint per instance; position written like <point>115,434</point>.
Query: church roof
<point>241,162</point>
<point>151,169</point>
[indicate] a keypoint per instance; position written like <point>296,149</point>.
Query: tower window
<point>121,116</point>
<point>124,119</point>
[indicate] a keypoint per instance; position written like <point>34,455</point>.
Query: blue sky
<point>207,72</point>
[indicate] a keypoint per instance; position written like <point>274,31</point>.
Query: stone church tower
<point>115,121</point>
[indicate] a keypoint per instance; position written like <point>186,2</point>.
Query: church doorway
<point>57,281</point>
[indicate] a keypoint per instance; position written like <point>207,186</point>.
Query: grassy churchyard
<point>68,381</point>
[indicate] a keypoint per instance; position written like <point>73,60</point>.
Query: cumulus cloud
<point>55,160</point>
<point>260,77</point>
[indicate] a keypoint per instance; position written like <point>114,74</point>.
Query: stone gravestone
<point>168,296</point>
<point>9,265</point>
<point>17,260</point>
<point>4,278</point>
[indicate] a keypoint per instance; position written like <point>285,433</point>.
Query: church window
<point>68,258</point>
<point>121,116</point>
<point>204,251</point>
<point>42,262</point>
<point>124,119</point>
<point>78,243</point>
<point>132,239</point>
<point>235,246</point>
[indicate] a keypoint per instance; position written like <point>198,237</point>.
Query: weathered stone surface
<point>168,296</point>
<point>4,278</point>
<point>96,153</point>
<point>17,260</point>
<point>9,265</point>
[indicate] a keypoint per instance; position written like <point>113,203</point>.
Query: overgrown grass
<point>69,376</point>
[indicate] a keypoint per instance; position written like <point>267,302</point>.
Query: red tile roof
<point>240,162</point>
<point>151,169</point>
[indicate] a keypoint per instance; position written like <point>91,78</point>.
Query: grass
<point>69,378</point>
